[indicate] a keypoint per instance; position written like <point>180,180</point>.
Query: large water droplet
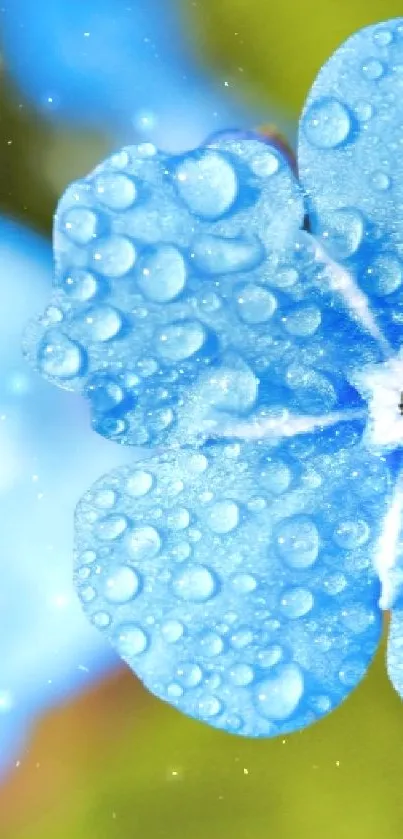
<point>195,583</point>
<point>162,274</point>
<point>116,191</point>
<point>343,232</point>
<point>80,225</point>
<point>351,534</point>
<point>297,541</point>
<point>296,602</point>
<point>327,123</point>
<point>114,256</point>
<point>279,697</point>
<point>60,357</point>
<point>380,181</point>
<point>383,276</point>
<point>243,583</point>
<point>139,483</point>
<point>217,255</point>
<point>172,631</point>
<point>303,321</point>
<point>372,69</point>
<point>143,543</point>
<point>130,641</point>
<point>189,674</point>
<point>275,476</point>
<point>80,284</point>
<point>101,323</point>
<point>209,707</point>
<point>121,584</point>
<point>211,644</point>
<point>180,340</point>
<point>255,304</point>
<point>111,527</point>
<point>223,516</point>
<point>207,183</point>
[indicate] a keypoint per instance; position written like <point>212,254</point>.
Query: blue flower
<point>246,328</point>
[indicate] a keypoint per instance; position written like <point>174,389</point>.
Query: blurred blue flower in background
<point>124,67</point>
<point>47,648</point>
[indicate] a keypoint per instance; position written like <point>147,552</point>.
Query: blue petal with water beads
<point>258,642</point>
<point>241,581</point>
<point>350,163</point>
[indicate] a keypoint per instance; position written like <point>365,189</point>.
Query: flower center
<point>380,385</point>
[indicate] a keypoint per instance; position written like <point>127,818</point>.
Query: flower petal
<point>237,581</point>
<point>350,163</point>
<point>186,291</point>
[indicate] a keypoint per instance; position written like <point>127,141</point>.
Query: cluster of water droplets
<point>258,642</point>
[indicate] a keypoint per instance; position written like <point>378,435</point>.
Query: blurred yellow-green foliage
<point>273,50</point>
<point>117,764</point>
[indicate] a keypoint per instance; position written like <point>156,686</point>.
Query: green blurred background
<point>115,763</point>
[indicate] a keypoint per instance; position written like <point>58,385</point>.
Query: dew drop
<point>116,191</point>
<point>327,123</point>
<point>372,69</point>
<point>121,585</point>
<point>101,620</point>
<point>296,602</point>
<point>178,519</point>
<point>80,284</point>
<point>105,499</point>
<point>60,357</point>
<point>343,232</point>
<point>351,534</point>
<point>111,527</point>
<point>130,640</point>
<point>114,256</point>
<point>303,321</point>
<point>242,638</point>
<point>277,698</point>
<point>275,476</point>
<point>139,483</point>
<point>209,707</point>
<point>383,37</point>
<point>211,644</point>
<point>143,543</point>
<point>189,675</point>
<point>217,255</point>
<point>80,225</point>
<point>264,164</point>
<point>380,181</point>
<point>195,583</point>
<point>352,671</point>
<point>101,323</point>
<point>181,340</point>
<point>162,274</point>
<point>384,275</point>
<point>255,304</point>
<point>207,184</point>
<point>172,631</point>
<point>223,517</point>
<point>297,542</point>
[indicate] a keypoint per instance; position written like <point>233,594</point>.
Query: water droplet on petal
<point>178,341</point>
<point>373,69</point>
<point>351,534</point>
<point>79,284</point>
<point>384,276</point>
<point>241,675</point>
<point>255,304</point>
<point>223,517</point>
<point>101,323</point>
<point>80,225</point>
<point>327,123</point>
<point>207,183</point>
<point>114,256</point>
<point>297,541</point>
<point>380,181</point>
<point>121,585</point>
<point>343,232</point>
<point>211,644</point>
<point>130,641</point>
<point>60,357</point>
<point>217,255</point>
<point>139,483</point>
<point>116,191</point>
<point>209,707</point>
<point>162,274</point>
<point>195,583</point>
<point>296,602</point>
<point>111,527</point>
<point>303,321</point>
<point>172,631</point>
<point>143,542</point>
<point>277,698</point>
